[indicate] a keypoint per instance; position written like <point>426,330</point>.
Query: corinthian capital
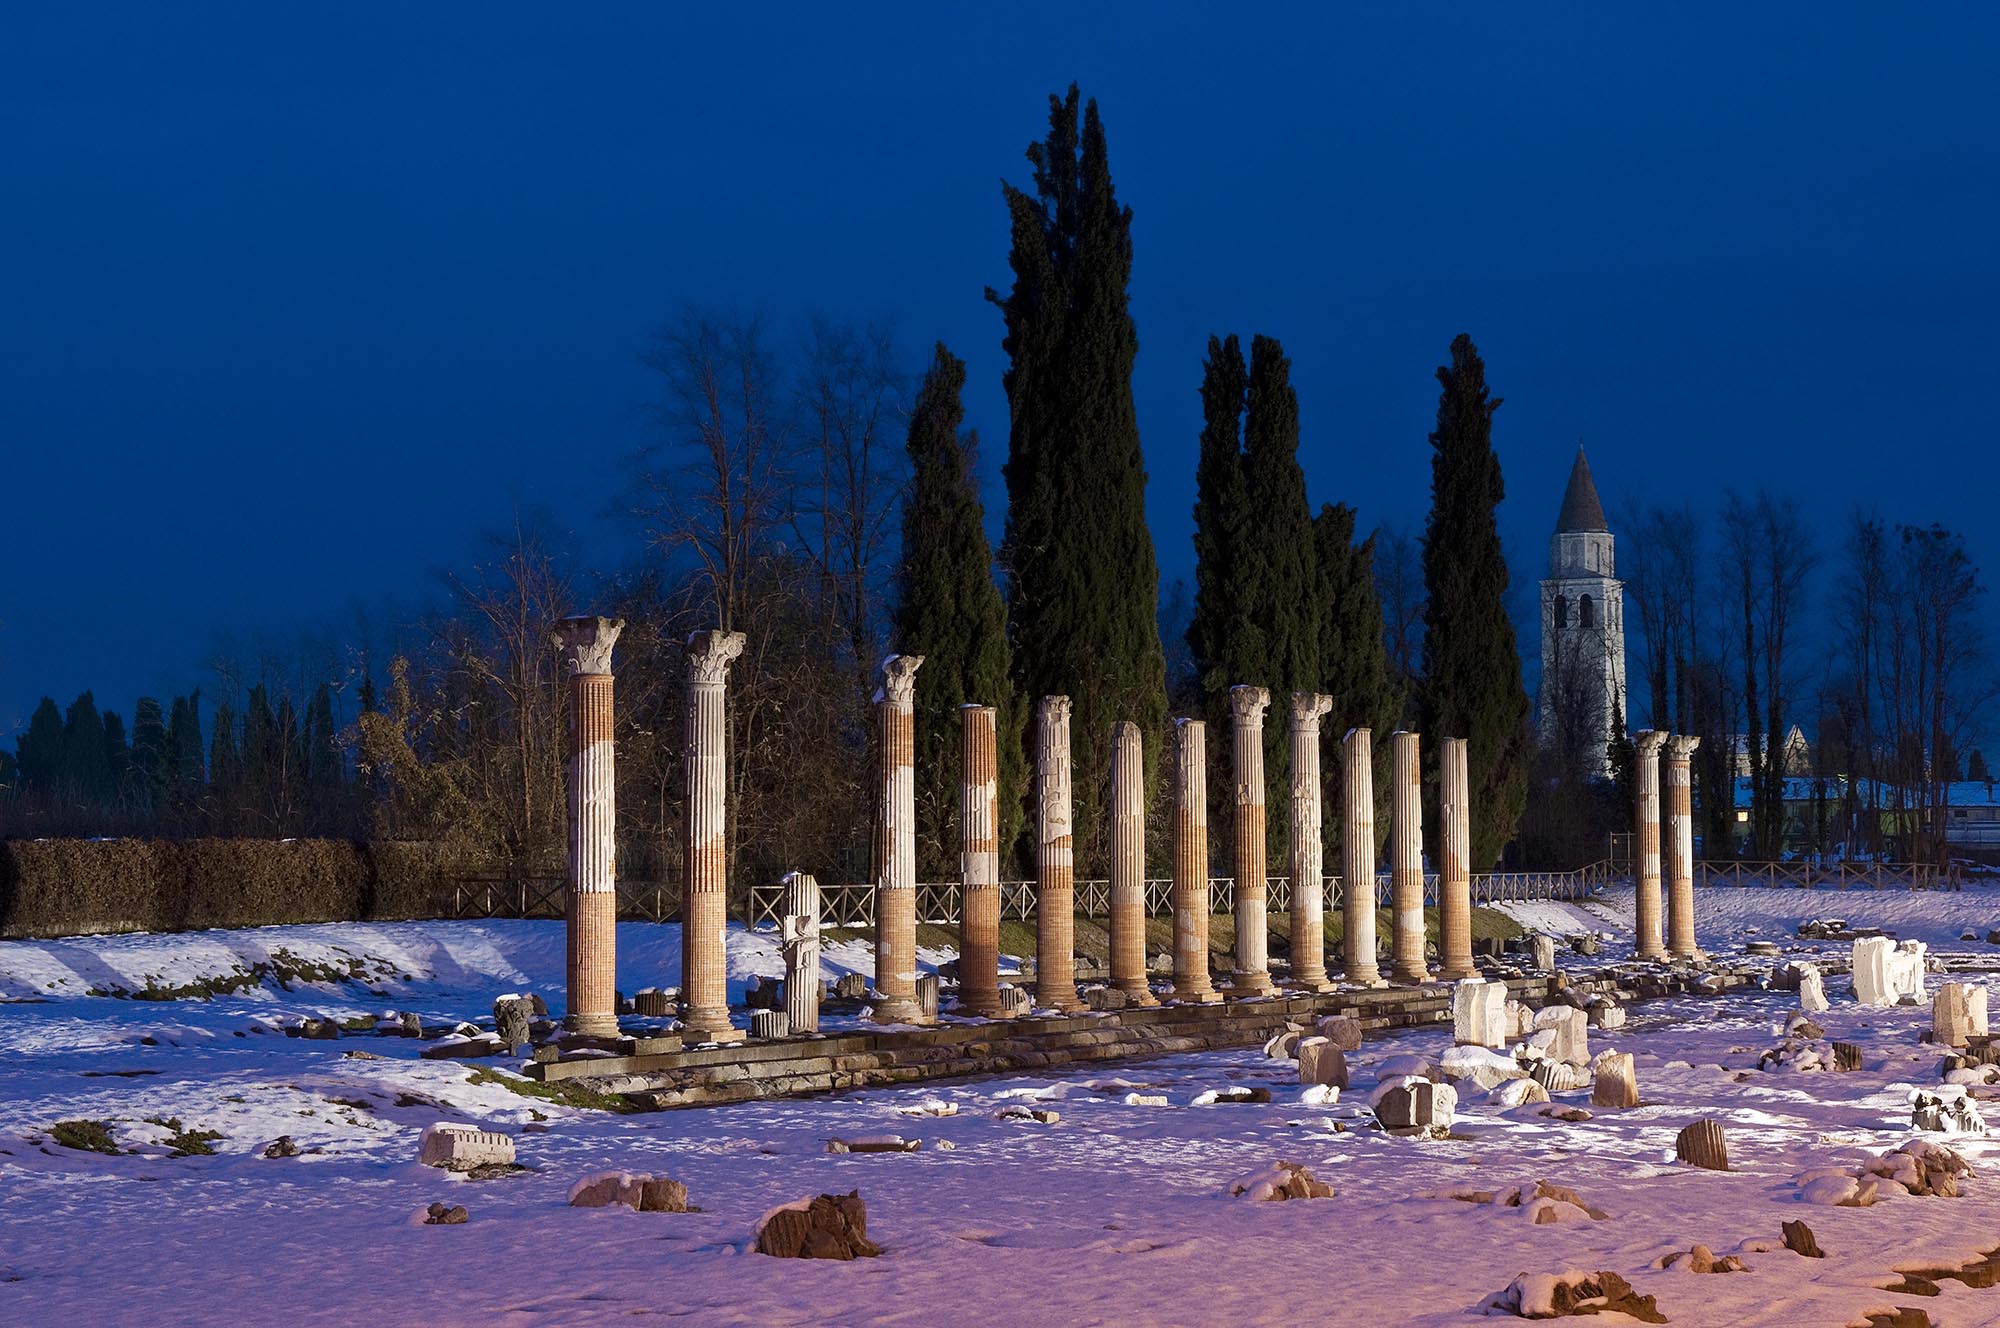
<point>899,680</point>
<point>1680,746</point>
<point>1307,707</point>
<point>710,655</point>
<point>1648,744</point>
<point>585,643</point>
<point>1247,704</point>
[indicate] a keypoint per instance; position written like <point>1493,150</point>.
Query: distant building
<point>1971,815</point>
<point>1583,624</point>
<point>1795,754</point>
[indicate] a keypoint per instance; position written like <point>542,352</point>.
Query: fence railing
<point>940,902</point>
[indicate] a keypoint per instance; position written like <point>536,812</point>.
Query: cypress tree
<point>1472,684</point>
<point>225,768</point>
<point>950,612</point>
<point>117,761</point>
<point>1084,586</point>
<point>149,755</point>
<point>1221,506</point>
<point>322,760</point>
<point>1354,663</point>
<point>86,762</point>
<point>185,774</point>
<point>39,753</point>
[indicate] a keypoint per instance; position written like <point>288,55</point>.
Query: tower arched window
<point>1584,616</point>
<point>1562,610</point>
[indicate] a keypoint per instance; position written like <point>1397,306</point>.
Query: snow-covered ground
<point>1112,1214</point>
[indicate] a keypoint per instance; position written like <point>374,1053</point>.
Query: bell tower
<point>1583,628</point>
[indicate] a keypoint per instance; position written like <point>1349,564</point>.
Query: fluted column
<point>1246,728</point>
<point>979,862</point>
<point>1646,848</point>
<point>1128,863</point>
<point>585,645</point>
<point>1308,862</point>
<point>1055,860</point>
<point>1191,863</point>
<point>1406,866</point>
<point>1454,862</point>
<point>705,906</point>
<point>896,846</point>
<point>1357,880</point>
<point>1680,834</point>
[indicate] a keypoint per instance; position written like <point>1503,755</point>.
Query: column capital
<point>710,654</point>
<point>1681,746</point>
<point>1247,704</point>
<point>585,643</point>
<point>1053,710</point>
<point>1648,744</point>
<point>1307,707</point>
<point>899,680</point>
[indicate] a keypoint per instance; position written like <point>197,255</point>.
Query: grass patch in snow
<point>563,1092</point>
<point>88,1136</point>
<point>183,1141</point>
<point>283,968</point>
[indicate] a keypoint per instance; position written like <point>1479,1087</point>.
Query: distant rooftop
<point>1580,509</point>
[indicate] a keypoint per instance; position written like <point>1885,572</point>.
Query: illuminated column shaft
<point>979,862</point>
<point>1253,965</point>
<point>1646,885</point>
<point>1128,863</point>
<point>1191,863</point>
<point>896,846</point>
<point>1680,833</point>
<point>705,907</point>
<point>1357,886</point>
<point>1308,864</point>
<point>1055,860</point>
<point>1406,867</point>
<point>1454,862</point>
<point>585,644</point>
<point>799,939</point>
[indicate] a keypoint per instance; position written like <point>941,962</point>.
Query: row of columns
<point>585,645</point>
<point>1679,941</point>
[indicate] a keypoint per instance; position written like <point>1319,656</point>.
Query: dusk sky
<point>300,300</point>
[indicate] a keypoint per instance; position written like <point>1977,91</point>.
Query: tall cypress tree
<point>1221,506</point>
<point>40,750</point>
<point>1354,663</point>
<point>951,613</point>
<point>1472,684</point>
<point>185,775</point>
<point>1084,585</point>
<point>149,755</point>
<point>86,763</point>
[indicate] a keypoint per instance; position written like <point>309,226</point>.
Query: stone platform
<point>657,1073</point>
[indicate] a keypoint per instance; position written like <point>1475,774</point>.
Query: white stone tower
<point>1583,626</point>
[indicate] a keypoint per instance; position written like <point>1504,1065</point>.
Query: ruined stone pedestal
<point>798,938</point>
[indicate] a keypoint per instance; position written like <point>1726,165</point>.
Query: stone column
<point>1055,861</point>
<point>585,645</point>
<point>798,937</point>
<point>1406,866</point>
<point>705,905</point>
<point>1357,879</point>
<point>1680,835</point>
<point>1646,846</point>
<point>1454,863</point>
<point>1308,864</point>
<point>896,845</point>
<point>1191,863</point>
<point>1128,863</point>
<point>1246,729</point>
<point>979,862</point>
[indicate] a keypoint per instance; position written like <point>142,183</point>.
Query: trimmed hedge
<point>72,887</point>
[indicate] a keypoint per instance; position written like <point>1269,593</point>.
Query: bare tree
<point>1770,556</point>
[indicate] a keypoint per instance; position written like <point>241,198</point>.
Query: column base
<point>1208,997</point>
<point>1655,956</point>
<point>1139,995</point>
<point>1317,986</point>
<point>1372,981</point>
<point>1457,974</point>
<point>709,1026</point>
<point>1242,984</point>
<point>899,1010</point>
<point>1416,978</point>
<point>592,1025</point>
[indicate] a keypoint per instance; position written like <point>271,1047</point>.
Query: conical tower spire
<point>1581,510</point>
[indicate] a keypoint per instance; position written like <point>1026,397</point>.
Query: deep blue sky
<point>296,300</point>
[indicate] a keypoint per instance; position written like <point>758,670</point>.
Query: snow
<point>1109,1214</point>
